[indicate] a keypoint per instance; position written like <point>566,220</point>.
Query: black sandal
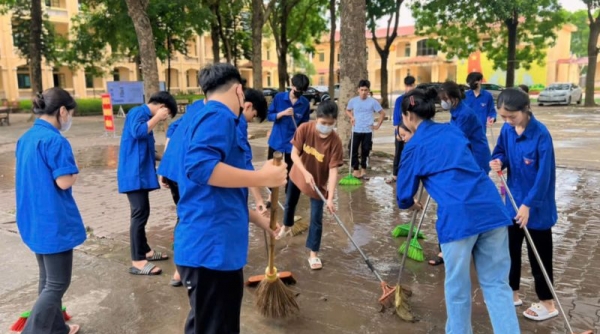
<point>157,256</point>
<point>439,260</point>
<point>147,270</point>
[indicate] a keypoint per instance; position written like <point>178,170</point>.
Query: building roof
<point>578,61</point>
<point>422,60</point>
<point>265,63</point>
<point>379,33</point>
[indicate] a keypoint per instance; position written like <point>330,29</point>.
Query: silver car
<point>560,93</point>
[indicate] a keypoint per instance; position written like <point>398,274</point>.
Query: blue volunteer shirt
<point>48,219</point>
<point>468,202</point>
<point>213,222</point>
<point>171,165</point>
<point>465,119</point>
<point>529,159</point>
<point>137,156</point>
<point>397,119</point>
<point>482,105</point>
<point>173,126</point>
<point>363,113</point>
<point>284,128</point>
<point>242,129</point>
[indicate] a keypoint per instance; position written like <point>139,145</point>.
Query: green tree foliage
<point>517,32</point>
<point>579,38</point>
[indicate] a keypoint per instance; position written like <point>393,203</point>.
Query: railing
<point>57,12</point>
<point>192,59</point>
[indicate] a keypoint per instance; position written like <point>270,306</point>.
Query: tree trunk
<point>332,49</point>
<point>384,79</point>
<point>283,49</point>
<point>214,34</point>
<point>35,46</point>
<point>353,61</point>
<point>511,62</point>
<point>258,20</point>
<point>224,38</point>
<point>143,30</point>
<point>590,78</point>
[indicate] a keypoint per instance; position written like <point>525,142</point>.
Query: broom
<point>19,325</point>
<point>388,291</point>
<point>350,180</point>
<point>273,298</point>
<point>537,256</point>
<point>299,226</point>
<point>415,251</point>
<point>402,229</point>
<point>403,309</point>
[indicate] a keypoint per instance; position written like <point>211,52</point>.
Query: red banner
<point>107,110</point>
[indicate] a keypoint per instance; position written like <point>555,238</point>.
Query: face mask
<point>64,127</point>
<point>297,94</point>
<point>324,129</point>
<point>446,105</point>
<point>473,85</point>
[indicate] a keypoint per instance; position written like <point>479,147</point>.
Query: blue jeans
<point>313,242</point>
<point>492,264</point>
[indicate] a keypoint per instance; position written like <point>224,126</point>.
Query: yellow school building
<point>410,54</point>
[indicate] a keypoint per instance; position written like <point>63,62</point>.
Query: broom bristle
<point>275,300</point>
<point>66,315</point>
<point>299,228</point>
<point>403,309</point>
<point>350,180</point>
<point>20,323</point>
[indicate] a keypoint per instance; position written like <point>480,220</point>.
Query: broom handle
<point>535,252</point>
<point>422,218</point>
<point>410,230</point>
<point>351,145</point>
<point>278,202</point>
<point>277,157</point>
<point>339,221</point>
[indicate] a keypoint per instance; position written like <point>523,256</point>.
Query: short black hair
<point>453,90</point>
<point>218,76</point>
<point>244,82</point>
<point>524,88</point>
<point>420,102</point>
<point>404,127</point>
<point>50,101</point>
<point>409,80</point>
<point>259,103</point>
<point>513,100</point>
<point>327,109</point>
<point>474,76</point>
<point>164,97</point>
<point>364,83</point>
<point>300,81</point>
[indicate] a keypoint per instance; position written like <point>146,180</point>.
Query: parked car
<point>559,93</point>
<point>312,94</point>
<point>494,89</point>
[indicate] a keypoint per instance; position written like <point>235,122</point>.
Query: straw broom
<point>273,298</point>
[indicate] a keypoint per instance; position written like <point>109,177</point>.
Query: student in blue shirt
<point>287,111</point>
<point>525,149</point>
<point>472,222</point>
<point>480,100</point>
<point>409,84</point>
<point>136,175</point>
<point>211,239</point>
<point>48,219</point>
<point>360,110</point>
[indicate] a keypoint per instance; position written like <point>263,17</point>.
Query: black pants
<point>215,300</point>
<point>287,157</point>
<point>139,202</point>
<point>174,187</point>
<point>543,242</point>
<point>55,278</point>
<point>365,142</point>
<point>397,156</point>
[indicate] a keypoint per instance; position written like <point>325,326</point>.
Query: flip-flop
<point>175,283</point>
<point>389,180</point>
<point>157,256</point>
<point>147,270</point>
<point>73,329</point>
<point>518,302</point>
<point>541,312</point>
<point>438,260</point>
<point>315,263</point>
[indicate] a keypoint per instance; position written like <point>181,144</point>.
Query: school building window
<point>89,80</point>
<point>268,54</point>
<point>24,80</point>
<point>59,79</point>
<point>338,57</point>
<point>407,50</point>
<point>423,49</point>
<point>268,80</point>
<point>321,56</point>
<point>116,75</point>
<point>53,3</point>
<point>321,80</point>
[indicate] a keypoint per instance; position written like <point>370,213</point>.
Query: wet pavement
<point>341,298</point>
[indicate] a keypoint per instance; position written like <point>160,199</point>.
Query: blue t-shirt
<point>465,119</point>
<point>284,128</point>
<point>171,165</point>
<point>243,131</point>
<point>48,219</point>
<point>468,202</point>
<point>173,126</point>
<point>482,105</point>
<point>398,111</point>
<point>137,156</point>
<point>529,159</point>
<point>213,221</point>
<point>363,113</point>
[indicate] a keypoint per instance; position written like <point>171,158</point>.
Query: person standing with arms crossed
<point>287,111</point>
<point>409,84</point>
<point>136,175</point>
<point>360,111</point>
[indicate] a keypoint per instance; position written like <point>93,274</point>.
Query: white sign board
<point>125,92</point>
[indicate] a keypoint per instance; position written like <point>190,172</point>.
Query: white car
<point>560,93</point>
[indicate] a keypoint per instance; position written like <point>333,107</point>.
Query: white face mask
<point>446,105</point>
<point>64,127</point>
<point>324,129</point>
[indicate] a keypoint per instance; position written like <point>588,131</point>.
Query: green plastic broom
<point>415,251</point>
<point>350,180</point>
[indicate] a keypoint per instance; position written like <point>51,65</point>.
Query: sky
<point>407,19</point>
